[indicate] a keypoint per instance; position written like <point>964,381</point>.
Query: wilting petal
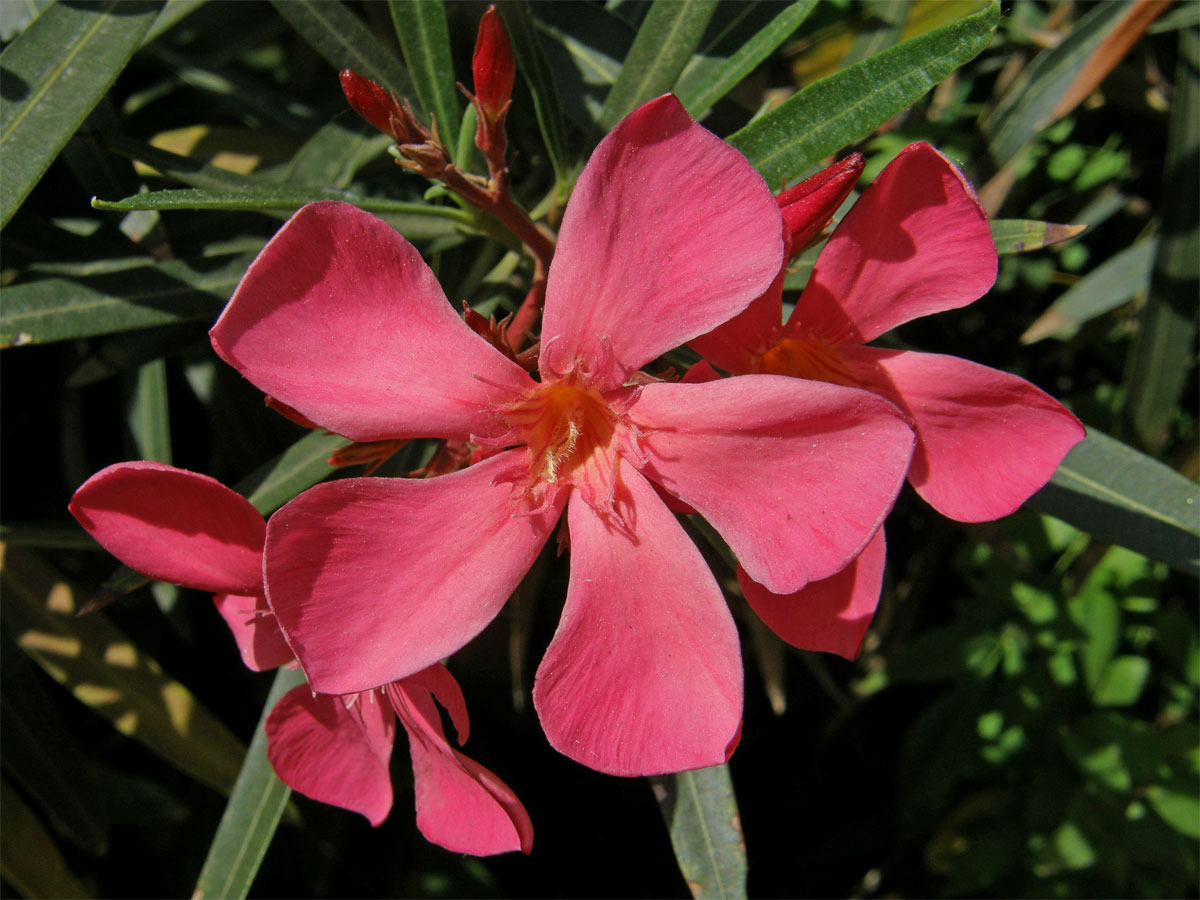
<point>644,674</point>
<point>332,753</point>
<point>830,615</point>
<point>986,440</point>
<point>735,345</point>
<point>340,319</point>
<point>796,475</point>
<point>373,579</point>
<point>669,232</point>
<point>174,525</point>
<point>258,637</point>
<point>916,242</point>
<point>461,805</point>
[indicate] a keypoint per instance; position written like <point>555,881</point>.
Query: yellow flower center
<point>803,358</point>
<point>563,425</point>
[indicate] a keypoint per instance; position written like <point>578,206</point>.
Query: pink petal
<point>438,681</point>
<point>174,525</point>
<point>916,242</point>
<point>830,615</point>
<point>644,674</point>
<point>460,805</point>
<point>986,440</point>
<point>374,579</point>
<point>735,345</point>
<point>669,232</point>
<point>796,475</point>
<point>332,753</point>
<point>255,630</point>
<point>340,319</point>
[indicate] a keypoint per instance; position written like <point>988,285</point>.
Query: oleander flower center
<point>564,425</point>
<point>805,358</point>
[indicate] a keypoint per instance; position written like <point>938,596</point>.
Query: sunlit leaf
<point>1179,808</point>
<point>54,73</point>
<point>425,40</point>
<point>1122,681</point>
<point>1036,99</point>
<point>670,33</point>
<point>57,309</point>
<point>701,813</point>
<point>843,108</point>
<point>252,814</point>
<point>1114,492</point>
<point>1026,235</point>
<point>416,221</point>
<point>1111,284</point>
<point>707,79</point>
<point>101,667</point>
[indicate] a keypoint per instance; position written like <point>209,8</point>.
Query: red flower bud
<point>808,206</point>
<point>492,67</point>
<point>382,108</point>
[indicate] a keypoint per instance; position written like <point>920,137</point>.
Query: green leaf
<point>584,45</point>
<point>425,40</point>
<point>54,73</point>
<point>707,79</point>
<point>1026,235</point>
<point>149,417</point>
<point>29,859</point>
<point>1122,681</point>
<point>416,221</point>
<point>669,35</point>
<point>1113,283</point>
<point>297,469</point>
<point>43,756</point>
<point>1114,492</point>
<point>531,63</point>
<point>252,814</point>
<point>95,661</point>
<point>1158,361</point>
<point>57,309</point>
<point>1179,808</point>
<point>345,42</point>
<point>847,106</point>
<point>1028,105</point>
<point>701,813</point>
<point>332,157</point>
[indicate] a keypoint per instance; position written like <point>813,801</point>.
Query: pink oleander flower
<point>188,529</point>
<point>916,242</point>
<point>669,232</point>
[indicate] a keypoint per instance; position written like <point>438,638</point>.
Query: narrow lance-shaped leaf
<point>149,415</point>
<point>1026,235</point>
<point>701,813</point>
<point>425,40</point>
<point>252,814</point>
<point>1158,369</point>
<point>346,43</point>
<point>29,859</point>
<point>845,107</point>
<point>1109,285</point>
<point>532,66</point>
<point>54,73</point>
<point>58,309</point>
<point>297,469</point>
<point>1033,101</point>
<point>706,79</point>
<point>101,667</point>
<point>669,35</point>
<point>1114,492</point>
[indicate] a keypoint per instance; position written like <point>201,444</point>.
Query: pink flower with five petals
<point>916,242</point>
<point>669,232</point>
<point>188,529</point>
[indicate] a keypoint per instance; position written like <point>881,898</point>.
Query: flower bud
<point>492,66</point>
<point>808,206</point>
<point>382,108</point>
